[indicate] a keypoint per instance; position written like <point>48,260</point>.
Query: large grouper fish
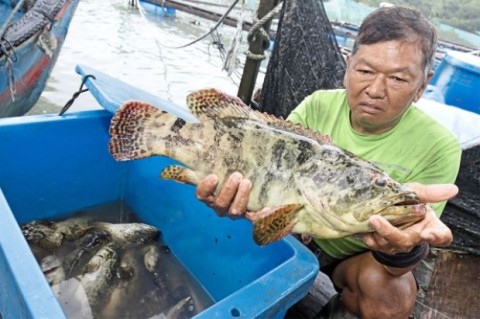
<point>309,185</point>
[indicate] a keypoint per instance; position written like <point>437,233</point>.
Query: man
<point>375,118</point>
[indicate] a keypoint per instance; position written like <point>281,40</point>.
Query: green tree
<point>463,14</point>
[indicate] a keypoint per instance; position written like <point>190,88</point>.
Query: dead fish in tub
<point>159,302</point>
<point>312,186</point>
<point>56,269</point>
<point>153,256</point>
<point>99,278</point>
<point>127,235</point>
<point>127,273</point>
<point>124,235</point>
<point>50,235</point>
<point>85,295</point>
<point>52,268</point>
<point>182,300</point>
<point>88,246</point>
<point>178,310</point>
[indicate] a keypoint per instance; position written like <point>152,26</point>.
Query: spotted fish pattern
<point>311,186</point>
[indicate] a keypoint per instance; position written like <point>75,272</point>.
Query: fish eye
<point>381,182</point>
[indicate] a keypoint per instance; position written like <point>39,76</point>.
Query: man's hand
<point>391,240</point>
<point>232,198</point>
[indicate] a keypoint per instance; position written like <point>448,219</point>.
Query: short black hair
<point>399,23</point>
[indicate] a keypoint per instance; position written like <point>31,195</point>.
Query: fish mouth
<point>406,199</point>
<point>403,211</point>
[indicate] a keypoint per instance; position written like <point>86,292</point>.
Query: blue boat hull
<point>25,70</point>
<point>156,9</point>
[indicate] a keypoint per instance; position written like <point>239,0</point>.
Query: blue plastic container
<point>50,165</point>
<point>457,78</point>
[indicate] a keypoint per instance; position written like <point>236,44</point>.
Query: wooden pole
<point>251,68</point>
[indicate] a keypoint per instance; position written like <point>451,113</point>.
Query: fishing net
<point>462,213</point>
<point>305,58</point>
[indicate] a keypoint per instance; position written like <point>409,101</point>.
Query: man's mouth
<point>370,108</point>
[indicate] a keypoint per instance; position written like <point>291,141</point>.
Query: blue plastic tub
<point>50,165</point>
<point>457,79</point>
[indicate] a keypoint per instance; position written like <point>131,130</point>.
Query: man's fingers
<point>441,236</point>
<point>384,232</point>
<point>389,238</point>
<point>227,193</point>
<point>231,200</point>
<point>434,193</point>
<point>239,204</point>
<point>206,188</point>
<point>384,228</point>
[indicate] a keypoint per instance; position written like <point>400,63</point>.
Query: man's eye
<point>363,71</point>
<point>398,79</point>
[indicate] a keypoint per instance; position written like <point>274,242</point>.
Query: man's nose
<point>377,88</point>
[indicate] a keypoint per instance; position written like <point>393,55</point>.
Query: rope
<point>231,60</point>
<point>11,78</point>
<point>259,28</point>
<point>50,18</point>
<point>255,56</point>
<point>76,94</point>
<point>5,50</point>
<point>10,17</point>
<point>10,58</point>
<point>234,3</point>
<point>217,42</point>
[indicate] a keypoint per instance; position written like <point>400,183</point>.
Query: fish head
<point>43,234</point>
<point>343,193</point>
<point>373,192</point>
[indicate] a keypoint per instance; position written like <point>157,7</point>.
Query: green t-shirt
<point>417,149</point>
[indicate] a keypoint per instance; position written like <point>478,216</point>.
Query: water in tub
<point>105,263</point>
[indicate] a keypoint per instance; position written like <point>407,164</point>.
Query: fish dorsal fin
<point>214,104</point>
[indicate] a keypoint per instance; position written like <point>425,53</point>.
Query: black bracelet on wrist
<point>402,260</point>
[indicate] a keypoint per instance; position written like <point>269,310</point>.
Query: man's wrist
<point>402,260</point>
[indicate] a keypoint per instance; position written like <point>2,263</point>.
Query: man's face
<point>382,80</point>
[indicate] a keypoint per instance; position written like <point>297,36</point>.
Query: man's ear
<point>424,85</point>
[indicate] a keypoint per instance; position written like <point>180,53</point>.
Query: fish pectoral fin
<point>274,223</point>
<point>180,174</point>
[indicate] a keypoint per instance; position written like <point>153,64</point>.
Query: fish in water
<point>99,278</point>
<point>53,270</point>
<point>88,246</point>
<point>127,235</point>
<point>50,235</point>
<point>309,185</point>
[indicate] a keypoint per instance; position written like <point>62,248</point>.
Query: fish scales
<point>310,185</point>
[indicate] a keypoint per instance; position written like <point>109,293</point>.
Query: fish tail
<point>129,130</point>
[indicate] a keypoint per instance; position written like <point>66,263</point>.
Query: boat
<point>158,9</point>
<point>31,37</point>
<point>55,164</point>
